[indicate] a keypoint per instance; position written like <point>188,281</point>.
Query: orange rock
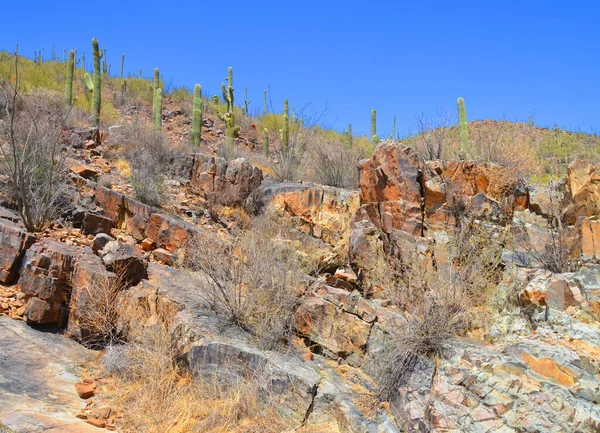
<point>96,422</point>
<point>547,367</point>
<point>85,390</point>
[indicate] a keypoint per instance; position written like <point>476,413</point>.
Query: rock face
<point>398,190</point>
<point>145,223</point>
<point>583,190</point>
<point>321,211</point>
<point>227,183</point>
<point>15,241</point>
<point>38,372</point>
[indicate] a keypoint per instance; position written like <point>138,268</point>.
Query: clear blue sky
<point>513,58</point>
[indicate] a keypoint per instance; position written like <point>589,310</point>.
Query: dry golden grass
<point>150,392</point>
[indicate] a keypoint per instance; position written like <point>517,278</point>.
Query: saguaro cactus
<point>247,103</point>
<point>348,142</point>
<point>265,101</point>
<point>374,137</point>
<point>463,127</point>
<point>158,110</point>
<point>227,116</point>
<point>122,64</point>
<point>266,142</point>
<point>97,97</point>
<point>394,129</point>
<point>197,115</point>
<point>155,87</point>
<point>69,84</point>
<point>285,132</point>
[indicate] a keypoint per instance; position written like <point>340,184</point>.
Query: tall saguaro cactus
<point>158,110</point>
<point>197,115</point>
<point>247,103</point>
<point>227,116</point>
<point>348,142</point>
<point>374,137</point>
<point>463,127</point>
<point>69,84</point>
<point>285,132</point>
<point>155,87</point>
<point>265,102</point>
<point>122,64</point>
<point>394,129</point>
<point>97,97</point>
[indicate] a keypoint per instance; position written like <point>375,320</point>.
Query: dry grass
<point>151,392</point>
<point>150,159</point>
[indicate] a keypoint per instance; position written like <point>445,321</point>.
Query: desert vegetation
<point>253,271</point>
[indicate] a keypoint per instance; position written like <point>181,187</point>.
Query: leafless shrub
<point>97,310</point>
<point>435,297</point>
<point>251,281</point>
<point>333,165</point>
<point>150,157</point>
<point>32,159</point>
<point>433,134</point>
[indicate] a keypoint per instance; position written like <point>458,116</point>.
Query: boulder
<point>227,183</point>
<point>343,334</point>
<point>94,223</point>
<point>14,241</point>
<point>125,260</point>
<point>44,280</point>
<point>168,232</point>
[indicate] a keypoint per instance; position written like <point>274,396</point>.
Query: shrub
<point>150,158</point>
<point>97,310</point>
<point>251,281</point>
<point>32,159</point>
<point>436,298</point>
<point>333,165</point>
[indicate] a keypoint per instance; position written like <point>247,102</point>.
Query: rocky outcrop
<point>227,183</point>
<point>44,280</point>
<point>154,229</point>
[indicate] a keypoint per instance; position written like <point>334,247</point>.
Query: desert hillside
<point>172,262</point>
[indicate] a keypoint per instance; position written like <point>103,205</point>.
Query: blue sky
<point>506,58</point>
